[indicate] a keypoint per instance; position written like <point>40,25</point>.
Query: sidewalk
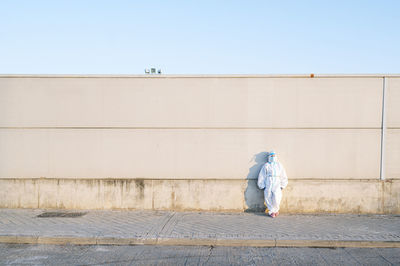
<point>198,228</point>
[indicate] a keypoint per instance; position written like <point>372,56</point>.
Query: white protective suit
<point>272,178</point>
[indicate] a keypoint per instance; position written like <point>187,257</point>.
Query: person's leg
<point>268,201</point>
<point>276,200</point>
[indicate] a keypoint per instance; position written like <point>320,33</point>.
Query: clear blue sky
<point>199,37</point>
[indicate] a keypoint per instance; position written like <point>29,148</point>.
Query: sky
<point>199,37</point>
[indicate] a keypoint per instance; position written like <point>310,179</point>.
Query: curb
<point>61,240</point>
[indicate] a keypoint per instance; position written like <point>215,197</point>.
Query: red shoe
<point>276,214</point>
<point>273,215</point>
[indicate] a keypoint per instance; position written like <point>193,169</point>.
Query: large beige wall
<point>189,127</point>
<point>205,134</point>
<point>191,102</point>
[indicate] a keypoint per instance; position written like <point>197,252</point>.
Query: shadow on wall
<point>254,197</point>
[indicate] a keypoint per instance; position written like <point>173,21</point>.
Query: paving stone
<point>149,226</point>
<point>11,254</point>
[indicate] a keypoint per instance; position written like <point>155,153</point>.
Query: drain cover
<point>61,214</point>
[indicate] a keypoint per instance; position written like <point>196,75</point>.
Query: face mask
<point>272,159</point>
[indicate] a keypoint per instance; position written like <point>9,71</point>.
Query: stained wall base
<point>301,195</point>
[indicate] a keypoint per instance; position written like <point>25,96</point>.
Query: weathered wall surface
<point>197,142</point>
<point>301,196</point>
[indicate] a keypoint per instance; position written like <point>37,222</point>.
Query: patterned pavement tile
<point>164,224</point>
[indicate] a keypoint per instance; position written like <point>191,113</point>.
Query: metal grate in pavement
<point>61,214</point>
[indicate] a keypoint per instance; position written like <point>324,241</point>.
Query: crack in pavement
<point>165,224</point>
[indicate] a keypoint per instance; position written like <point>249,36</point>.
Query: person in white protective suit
<point>273,179</point>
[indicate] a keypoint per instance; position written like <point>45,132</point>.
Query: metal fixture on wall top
<point>152,71</point>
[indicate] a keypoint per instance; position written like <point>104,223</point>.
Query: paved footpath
<point>198,228</point>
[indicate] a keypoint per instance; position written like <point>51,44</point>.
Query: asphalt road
<point>19,254</point>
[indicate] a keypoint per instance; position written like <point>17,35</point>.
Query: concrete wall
<point>392,147</point>
<point>301,196</point>
<point>197,142</point>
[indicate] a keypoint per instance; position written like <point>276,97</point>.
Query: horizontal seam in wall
<point>188,179</point>
<point>205,128</point>
<point>164,76</point>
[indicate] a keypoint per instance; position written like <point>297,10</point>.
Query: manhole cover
<point>61,214</point>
